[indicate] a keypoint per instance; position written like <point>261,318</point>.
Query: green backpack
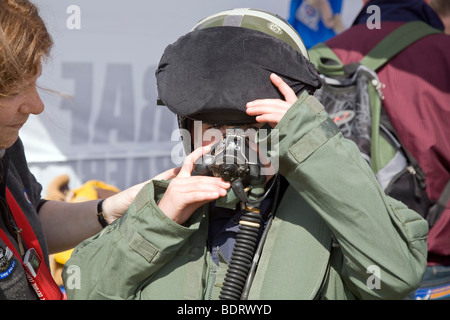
<point>352,95</point>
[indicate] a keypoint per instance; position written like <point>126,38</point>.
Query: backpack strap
<point>327,62</point>
<point>395,42</point>
<point>436,210</point>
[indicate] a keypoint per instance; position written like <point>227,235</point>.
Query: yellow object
<point>62,257</point>
<point>88,191</point>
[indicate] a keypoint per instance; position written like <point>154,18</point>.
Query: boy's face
<point>212,134</point>
<point>243,139</point>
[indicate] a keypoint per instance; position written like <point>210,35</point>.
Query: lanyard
<point>40,279</point>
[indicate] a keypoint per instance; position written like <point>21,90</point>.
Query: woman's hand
<point>115,206</point>
<point>66,224</point>
<point>187,193</point>
<point>272,110</point>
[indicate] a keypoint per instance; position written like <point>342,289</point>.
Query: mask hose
<point>243,263</point>
<point>241,258</point>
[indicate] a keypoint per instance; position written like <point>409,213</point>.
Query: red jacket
<point>417,100</point>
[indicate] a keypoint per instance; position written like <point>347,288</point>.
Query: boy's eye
<point>207,127</point>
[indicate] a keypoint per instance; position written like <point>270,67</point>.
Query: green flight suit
<point>381,251</point>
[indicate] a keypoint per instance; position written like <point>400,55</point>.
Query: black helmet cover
<point>211,74</point>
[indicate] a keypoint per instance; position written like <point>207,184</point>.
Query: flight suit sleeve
<point>378,236</point>
<point>115,263</point>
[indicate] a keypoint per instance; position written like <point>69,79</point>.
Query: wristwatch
<point>100,215</point>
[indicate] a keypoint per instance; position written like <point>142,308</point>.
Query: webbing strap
<point>395,42</point>
<point>327,62</point>
<point>438,208</point>
<point>42,282</point>
<point>445,196</point>
<point>22,222</point>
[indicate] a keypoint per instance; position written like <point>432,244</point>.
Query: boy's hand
<point>272,110</point>
<point>187,193</point>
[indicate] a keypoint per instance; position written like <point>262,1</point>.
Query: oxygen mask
<point>236,159</point>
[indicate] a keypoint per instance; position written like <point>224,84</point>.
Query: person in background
<point>316,20</point>
<point>30,227</point>
<point>417,95</point>
<point>442,8</point>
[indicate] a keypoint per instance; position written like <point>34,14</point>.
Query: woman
<point>31,228</point>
